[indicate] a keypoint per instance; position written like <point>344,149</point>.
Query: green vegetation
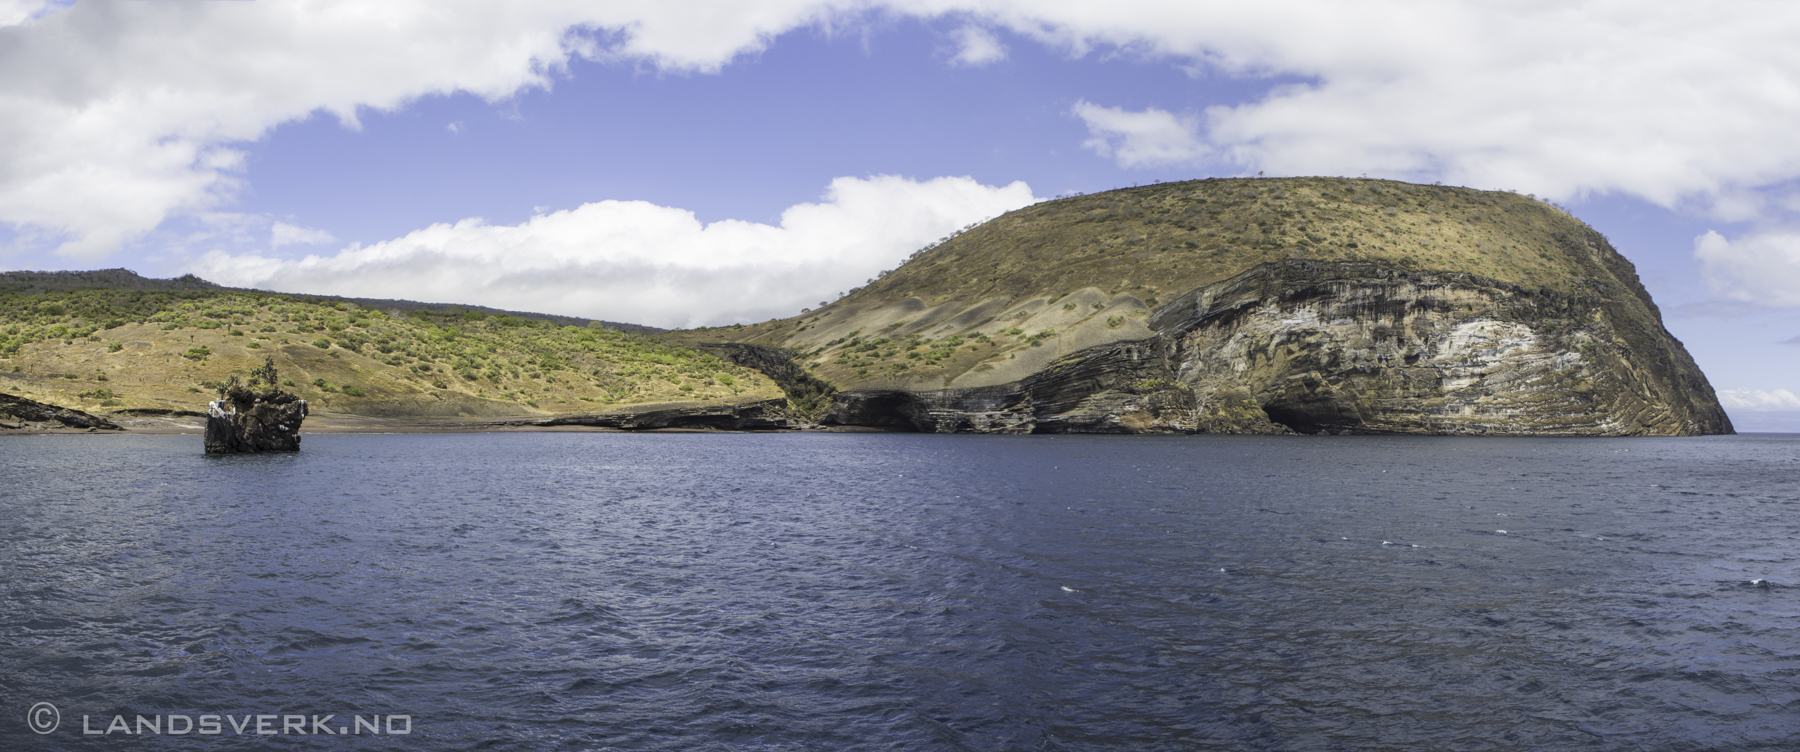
<point>1178,236</point>
<point>1090,266</point>
<point>391,362</point>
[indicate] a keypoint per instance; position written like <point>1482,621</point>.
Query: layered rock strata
<point>1315,347</point>
<point>34,414</point>
<point>762,415</point>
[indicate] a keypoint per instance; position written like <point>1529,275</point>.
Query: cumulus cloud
<point>282,233</point>
<point>1664,100</point>
<point>1758,400</point>
<point>1760,268</point>
<point>115,115</point>
<point>1141,139</point>
<point>15,12</point>
<point>643,263</point>
<point>976,46</point>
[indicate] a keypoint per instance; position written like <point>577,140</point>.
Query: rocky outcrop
<point>247,421</point>
<point>272,425</point>
<point>764,415</point>
<point>18,413</point>
<point>1363,348</point>
<point>1313,305</point>
<point>806,393</point>
<point>1315,347</point>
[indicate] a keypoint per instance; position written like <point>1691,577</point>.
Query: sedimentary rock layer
<point>1346,348</point>
<point>28,412</point>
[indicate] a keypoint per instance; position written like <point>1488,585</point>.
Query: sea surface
<point>526,591</point>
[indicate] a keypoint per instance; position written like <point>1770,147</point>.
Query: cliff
<point>1255,306</point>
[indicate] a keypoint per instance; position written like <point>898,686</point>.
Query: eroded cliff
<point>1473,313</point>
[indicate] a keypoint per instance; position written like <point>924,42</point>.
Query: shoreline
<point>345,424</point>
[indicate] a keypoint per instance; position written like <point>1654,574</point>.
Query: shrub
<point>115,347</point>
<point>354,392</point>
<point>197,353</point>
<point>322,343</point>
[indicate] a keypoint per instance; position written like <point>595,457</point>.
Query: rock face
<point>255,425</point>
<point>28,412</point>
<point>763,415</point>
<point>1302,306</point>
<point>1344,348</point>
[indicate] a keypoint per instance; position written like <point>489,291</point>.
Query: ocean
<point>594,591</point>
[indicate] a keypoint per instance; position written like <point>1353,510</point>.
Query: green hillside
<point>1007,297</point>
<point>110,350</point>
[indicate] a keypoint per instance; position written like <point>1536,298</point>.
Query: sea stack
<point>245,421</point>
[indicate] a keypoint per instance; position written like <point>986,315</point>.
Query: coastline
<point>342,423</point>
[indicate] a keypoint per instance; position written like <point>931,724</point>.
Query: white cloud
<point>976,47</point>
<point>116,115</point>
<point>1759,400</point>
<point>1761,268</point>
<point>641,263</point>
<point>15,12</point>
<point>1141,139</point>
<point>283,233</point>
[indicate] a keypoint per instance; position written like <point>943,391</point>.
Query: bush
<point>115,347</point>
<point>322,343</point>
<point>197,353</point>
<point>354,392</point>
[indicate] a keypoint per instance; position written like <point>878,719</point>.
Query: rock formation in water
<point>244,420</point>
<point>1257,306</point>
<point>30,414</point>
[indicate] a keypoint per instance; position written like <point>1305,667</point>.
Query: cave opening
<point>891,410</point>
<point>1310,416</point>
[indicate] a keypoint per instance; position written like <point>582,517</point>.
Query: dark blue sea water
<point>852,592</point>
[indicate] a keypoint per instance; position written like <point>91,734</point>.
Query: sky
<point>685,163</point>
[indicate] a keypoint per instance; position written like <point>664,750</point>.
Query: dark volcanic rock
<point>1322,347</point>
<point>1309,305</point>
<point>260,426</point>
<point>767,415</point>
<point>29,411</point>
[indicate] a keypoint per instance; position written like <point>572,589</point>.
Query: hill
<point>153,349</point>
<point>34,282</point>
<point>1356,305</point>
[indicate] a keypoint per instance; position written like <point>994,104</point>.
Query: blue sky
<point>703,162</point>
